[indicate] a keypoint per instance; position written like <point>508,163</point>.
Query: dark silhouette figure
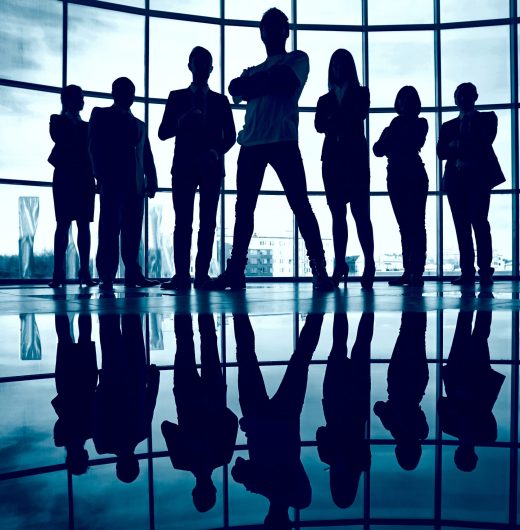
<point>202,123</point>
<point>73,185</point>
<point>342,442</point>
<point>205,434</point>
<point>407,379</point>
<point>76,380</point>
<point>270,136</point>
<point>126,394</point>
<point>272,425</point>
<point>471,171</point>
<point>472,387</point>
<point>407,181</point>
<point>340,114</point>
<point>125,173</point>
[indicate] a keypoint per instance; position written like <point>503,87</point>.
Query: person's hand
<point>190,116</point>
<point>150,193</point>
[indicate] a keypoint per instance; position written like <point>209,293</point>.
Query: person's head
<point>127,468</point>
<point>274,28</point>
<point>204,494</point>
<point>77,460</point>
<point>344,481</point>
<point>200,64</point>
<point>465,96</point>
<point>342,69</point>
<point>241,470</point>
<point>407,102</point>
<point>72,99</point>
<point>123,92</point>
<point>408,453</point>
<point>465,458</point>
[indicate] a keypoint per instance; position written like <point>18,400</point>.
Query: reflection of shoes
<point>140,281</point>
<point>400,280</point>
<point>486,281</point>
<point>464,280</point>
<point>106,285</point>
<point>340,273</point>
<point>200,281</point>
<point>177,284</point>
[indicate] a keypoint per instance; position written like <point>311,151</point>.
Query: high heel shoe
<point>340,273</point>
<point>85,279</point>
<point>367,279</point>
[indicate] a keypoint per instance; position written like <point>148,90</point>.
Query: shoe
<point>140,281</point>
<point>400,280</point>
<point>486,281</point>
<point>416,280</point>
<point>200,282</point>
<point>464,280</point>
<point>320,279</point>
<point>56,283</point>
<point>177,284</point>
<point>85,279</point>
<point>106,285</point>
<point>367,278</point>
<point>340,273</point>
<point>233,278</point>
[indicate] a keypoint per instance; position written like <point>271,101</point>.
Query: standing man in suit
<point>202,123</point>
<point>471,171</point>
<point>125,173</point>
<point>270,136</point>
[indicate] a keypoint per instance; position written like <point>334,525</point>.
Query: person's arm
<point>229,134</point>
<point>56,128</point>
<point>421,135</point>
<point>488,131</point>
<point>324,122</point>
<point>380,148</point>
<point>170,121</point>
<point>445,148</point>
<point>149,169</point>
<point>95,143</point>
<point>152,390</point>
<point>363,103</point>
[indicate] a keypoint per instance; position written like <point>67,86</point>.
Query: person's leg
<point>360,208</point>
<point>61,240</point>
<point>131,229</point>
<point>110,217</point>
<point>211,369</point>
<point>209,194</point>
<point>461,219</point>
<point>417,224</point>
<point>84,248</point>
<point>400,208</point>
<point>479,210</point>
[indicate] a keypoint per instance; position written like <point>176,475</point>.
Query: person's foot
<point>140,281</point>
<point>106,285</point>
<point>177,283</point>
<point>200,281</point>
<point>400,280</point>
<point>56,283</point>
<point>486,281</point>
<point>320,279</point>
<point>341,271</point>
<point>416,280</point>
<point>367,279</point>
<point>464,279</point>
<point>232,278</point>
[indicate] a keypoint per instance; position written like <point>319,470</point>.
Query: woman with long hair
<point>73,185</point>
<point>345,163</point>
<point>407,181</point>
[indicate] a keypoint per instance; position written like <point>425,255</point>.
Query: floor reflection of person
<point>342,442</point>
<point>472,388</point>
<point>126,394</point>
<point>205,434</point>
<point>272,425</point>
<point>407,378</point>
<point>76,380</point>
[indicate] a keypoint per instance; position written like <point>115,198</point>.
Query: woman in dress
<point>346,175</point>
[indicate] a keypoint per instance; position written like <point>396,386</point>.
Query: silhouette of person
<point>342,442</point>
<point>202,123</point>
<point>471,171</point>
<point>126,395</point>
<point>272,425</point>
<point>407,181</point>
<point>125,173</point>
<point>407,379</point>
<point>471,387</point>
<point>73,185</point>
<point>340,114</point>
<point>205,435</point>
<point>76,377</point>
<point>270,136</point>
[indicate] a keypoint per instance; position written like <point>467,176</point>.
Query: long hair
<point>343,55</point>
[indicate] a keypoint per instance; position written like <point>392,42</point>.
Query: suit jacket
<point>197,135</point>
<point>475,148</point>
<point>120,150</point>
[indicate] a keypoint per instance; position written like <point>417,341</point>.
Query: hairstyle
<point>122,84</point>
<point>413,100</point>
<point>70,92</point>
<point>469,88</point>
<point>343,55</point>
<point>274,15</point>
<point>199,50</point>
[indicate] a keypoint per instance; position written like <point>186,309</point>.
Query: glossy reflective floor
<point>397,409</point>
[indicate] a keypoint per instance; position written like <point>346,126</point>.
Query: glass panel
<point>330,12</point>
<point>92,33</point>
<point>400,12</point>
<point>207,8</point>
<point>311,144</point>
<point>162,150</point>
<point>479,55</point>
<point>428,154</point>
<point>171,42</point>
<point>320,45</point>
<point>31,41</point>
<point>397,59</point>
<point>238,9</point>
<point>459,10</point>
